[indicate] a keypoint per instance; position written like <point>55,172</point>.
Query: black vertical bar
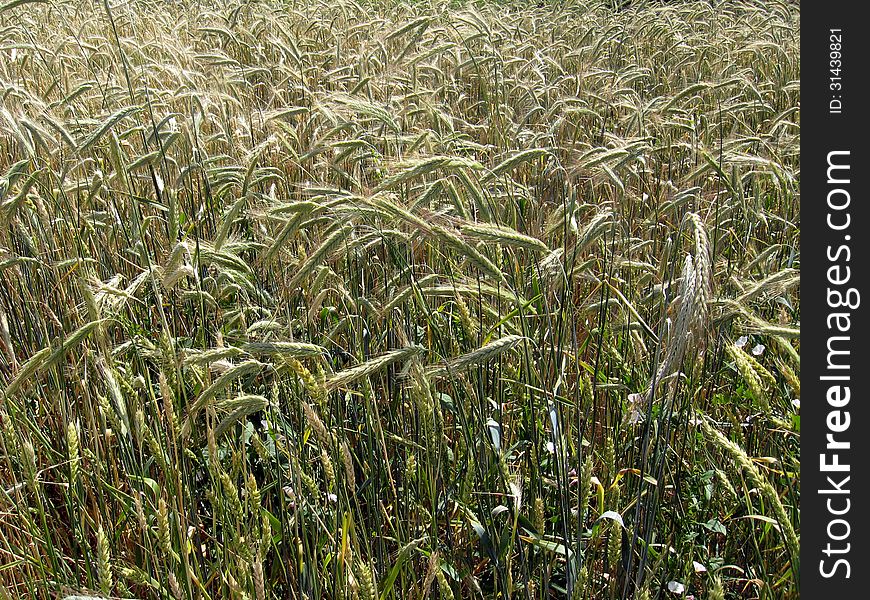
<point>835,453</point>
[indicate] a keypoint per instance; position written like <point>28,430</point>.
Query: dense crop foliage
<point>399,300</point>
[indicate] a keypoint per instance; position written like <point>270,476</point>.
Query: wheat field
<point>387,299</point>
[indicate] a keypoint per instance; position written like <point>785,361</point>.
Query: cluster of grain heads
<point>743,463</point>
<point>340,299</point>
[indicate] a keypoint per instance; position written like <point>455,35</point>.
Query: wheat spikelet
<point>419,167</point>
<point>420,391</point>
<point>388,205</point>
<point>293,349</point>
<point>790,377</point>
<point>716,590</point>
<point>481,355</point>
<point>538,520</point>
<point>212,355</point>
<point>552,268</point>
<point>328,469</point>
<point>729,488</point>
<point>687,322</point>
<point>760,327</point>
<point>366,581</point>
<point>411,466</point>
<point>468,323</point>
<point>175,267</point>
<point>598,225</point>
<point>139,507</point>
<point>105,126</point>
<point>27,371</point>
<point>315,388</point>
<point>72,444</point>
<point>368,109</point>
<point>750,323</point>
<point>259,580</point>
<point>104,564</point>
<point>239,408</point>
<point>117,405</point>
<point>229,218</point>
<point>253,494</point>
<point>347,463</point>
<point>409,548</point>
<point>145,434</point>
<point>264,326</point>
<point>474,191</point>
<point>580,585</point>
<point>743,461</point>
<point>431,567</point>
<point>443,585</point>
<point>243,369</point>
<point>614,547</point>
<point>749,373</point>
<point>290,227</point>
<point>474,292</point>
<point>703,274</point>
<point>6,338</point>
<point>231,494</point>
<point>164,536</point>
<point>139,577</point>
<point>174,586</point>
<point>765,375</point>
<point>516,159</point>
<point>402,296</point>
<point>318,256</point>
<point>343,378</point>
<point>464,249</point>
<point>419,23</point>
<point>320,432</point>
<point>109,298</point>
<point>609,459</point>
<point>504,235</point>
<point>772,286</point>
